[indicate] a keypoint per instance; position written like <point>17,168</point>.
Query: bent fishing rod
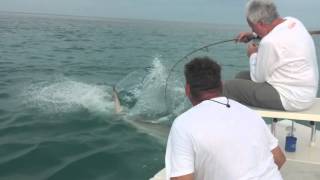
<point>206,47</point>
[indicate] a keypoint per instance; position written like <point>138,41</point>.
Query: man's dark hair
<point>203,74</point>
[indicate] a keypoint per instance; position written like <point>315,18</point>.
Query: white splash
<point>150,100</point>
<point>69,95</point>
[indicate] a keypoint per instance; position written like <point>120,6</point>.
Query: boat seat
<point>312,115</point>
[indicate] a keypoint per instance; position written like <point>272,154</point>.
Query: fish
<point>151,127</point>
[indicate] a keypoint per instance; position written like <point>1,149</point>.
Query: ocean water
<point>57,117</point>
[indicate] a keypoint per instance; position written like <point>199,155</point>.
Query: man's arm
<point>262,62</point>
<point>278,156</point>
<point>179,153</point>
<point>185,177</point>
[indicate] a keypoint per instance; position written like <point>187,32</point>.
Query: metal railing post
<point>273,126</point>
<point>313,133</point>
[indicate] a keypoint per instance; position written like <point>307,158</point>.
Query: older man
<point>283,67</point>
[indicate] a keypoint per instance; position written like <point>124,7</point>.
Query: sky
<point>210,11</point>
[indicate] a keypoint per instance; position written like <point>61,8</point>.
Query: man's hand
<point>252,48</point>
<point>244,37</point>
<point>185,177</point>
<point>278,156</point>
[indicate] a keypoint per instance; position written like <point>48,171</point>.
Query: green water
<point>57,117</point>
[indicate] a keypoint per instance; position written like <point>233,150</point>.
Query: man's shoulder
<point>205,109</point>
<point>290,18</point>
<point>188,117</point>
<point>245,110</point>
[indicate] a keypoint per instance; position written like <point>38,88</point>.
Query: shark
<point>147,126</point>
<point>117,105</point>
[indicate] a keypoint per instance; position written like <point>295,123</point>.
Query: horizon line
<point>118,18</point>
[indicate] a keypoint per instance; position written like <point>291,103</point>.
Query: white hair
<point>264,11</point>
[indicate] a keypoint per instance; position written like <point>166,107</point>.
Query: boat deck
<point>305,162</point>
<point>293,170</point>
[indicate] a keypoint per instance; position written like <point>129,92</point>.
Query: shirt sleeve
<point>253,63</point>
<point>262,61</point>
<point>272,141</point>
<point>179,153</point>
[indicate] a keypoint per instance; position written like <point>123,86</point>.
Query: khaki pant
<point>245,91</point>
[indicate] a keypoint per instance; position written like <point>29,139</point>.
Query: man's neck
<point>205,96</point>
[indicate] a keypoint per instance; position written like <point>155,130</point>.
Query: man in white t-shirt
<point>283,67</point>
<point>219,138</point>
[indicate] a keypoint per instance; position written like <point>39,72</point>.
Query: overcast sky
<point>213,11</point>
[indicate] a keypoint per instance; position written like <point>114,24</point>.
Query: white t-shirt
<point>219,143</point>
<point>287,60</point>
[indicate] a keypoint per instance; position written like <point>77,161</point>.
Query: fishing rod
<point>206,47</point>
<point>314,32</point>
